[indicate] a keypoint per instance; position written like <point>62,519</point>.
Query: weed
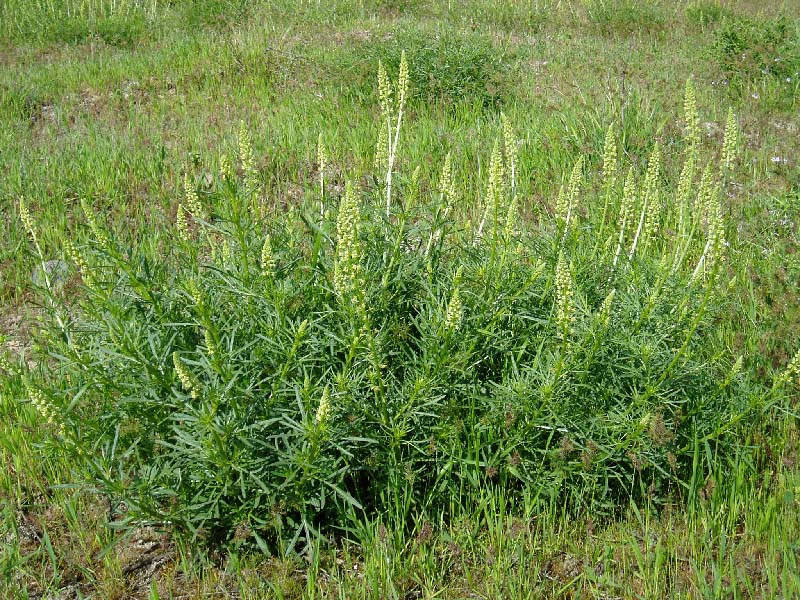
<point>97,135</point>
<point>262,381</point>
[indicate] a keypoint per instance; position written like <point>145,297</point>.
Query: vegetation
<point>368,299</point>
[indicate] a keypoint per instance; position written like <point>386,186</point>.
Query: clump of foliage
<point>624,17</point>
<point>448,66</point>
<point>751,51</point>
<point>383,351</point>
<point>705,14</point>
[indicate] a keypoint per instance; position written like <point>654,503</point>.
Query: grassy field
<point>109,107</point>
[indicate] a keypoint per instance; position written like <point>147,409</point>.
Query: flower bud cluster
<point>610,159</point>
<point>452,319</point>
<point>347,270</point>
<point>730,144</point>
<point>564,296</point>
<point>192,199</point>
<point>691,118</point>
<point>188,381</point>
<point>267,258</point>
<point>182,224</point>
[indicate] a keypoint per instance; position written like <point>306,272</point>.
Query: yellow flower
<point>267,259</point>
<point>226,168</point>
<point>182,224</point>
<point>792,372</point>
<point>510,146</point>
<point>188,382</point>
<point>211,344</point>
<point>691,118</point>
<point>247,159</point>
<point>192,199</point>
<point>610,159</point>
<point>651,193</point>
<point>324,408</point>
<point>452,320</point>
<point>730,145</point>
<point>564,296</point>
<point>402,81</point>
<point>42,405</point>
<point>78,259</point>
<point>91,219</point>
<point>382,151</point>
<point>347,269</point>
<point>27,219</point>
<point>605,308</point>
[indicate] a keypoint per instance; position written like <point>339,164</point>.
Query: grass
<point>113,101</point>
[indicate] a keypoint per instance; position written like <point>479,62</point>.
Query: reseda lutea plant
<point>377,353</point>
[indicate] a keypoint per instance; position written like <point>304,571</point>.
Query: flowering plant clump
<point>373,353</point>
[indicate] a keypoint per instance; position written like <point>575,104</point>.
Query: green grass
<point>113,101</point>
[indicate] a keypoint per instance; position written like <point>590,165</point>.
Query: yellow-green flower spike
<point>78,259</point>
<point>182,224</point>
<point>715,237</point>
<point>347,268</point>
<point>564,296</point>
<point>452,319</point>
<point>683,194</point>
<point>737,366</point>
<point>446,180</point>
<point>267,258</point>
<point>384,92</point>
<point>730,144</point>
<point>27,219</point>
<point>494,189</point>
<point>610,159</point>
<point>626,211</point>
<point>226,168</point>
<point>6,366</point>
<point>227,253</point>
<point>685,181</point>
<point>211,343</point>
<point>605,309</point>
<point>188,382</point>
<point>629,196</point>
<point>42,405</point>
<point>691,118</point>
<point>574,186</point>
<point>652,194</point>
<point>91,219</point>
<point>496,173</point>
<point>402,82</point>
<point>323,409</point>
<point>510,149</point>
<point>192,199</point>
<point>247,159</point>
<point>512,219</point>
<point>382,151</point>
<point>196,294</point>
<point>792,371</point>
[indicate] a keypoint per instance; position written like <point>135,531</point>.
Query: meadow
<point>371,299</point>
